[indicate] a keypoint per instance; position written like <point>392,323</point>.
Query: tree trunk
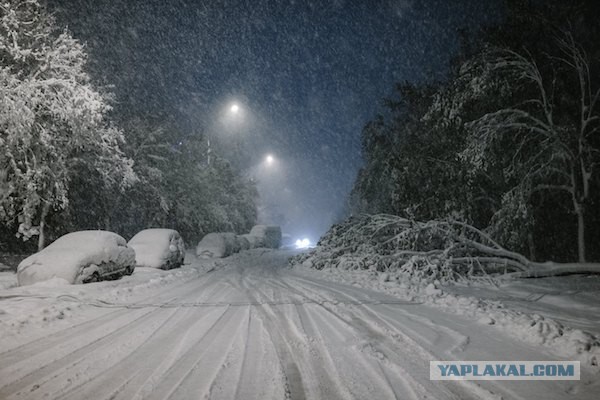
<point>579,210</point>
<point>42,236</point>
<point>579,196</point>
<point>531,244</point>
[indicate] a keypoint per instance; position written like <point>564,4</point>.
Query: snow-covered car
<point>217,245</point>
<point>158,248</point>
<point>79,257</point>
<point>242,242</point>
<point>270,235</point>
<point>255,242</point>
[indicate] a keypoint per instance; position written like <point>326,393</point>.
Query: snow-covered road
<point>254,329</point>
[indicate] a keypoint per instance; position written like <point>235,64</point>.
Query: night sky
<point>307,75</point>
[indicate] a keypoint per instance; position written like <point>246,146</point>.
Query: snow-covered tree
<point>175,187</point>
<point>412,166</point>
<point>553,129</point>
<point>52,118</point>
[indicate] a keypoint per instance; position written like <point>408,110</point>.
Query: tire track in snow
<point>343,357</point>
<point>242,360</point>
<point>261,376</point>
<point>334,361</point>
<point>107,323</point>
<point>285,353</point>
<point>57,347</point>
<point>400,351</point>
<point>76,359</point>
<point>144,364</point>
<point>356,340</point>
<point>412,344</point>
<point>32,348</point>
<point>172,347</point>
<point>412,325</point>
<point>186,378</point>
<point>35,363</point>
<point>319,357</point>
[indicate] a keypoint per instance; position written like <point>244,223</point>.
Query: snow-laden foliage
<point>423,253</point>
<point>386,243</point>
<point>509,144</point>
<point>176,188</point>
<point>554,137</point>
<point>52,119</point>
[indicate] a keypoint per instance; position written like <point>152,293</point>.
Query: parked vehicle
<point>217,245</point>
<point>269,235</point>
<point>79,257</point>
<point>158,248</point>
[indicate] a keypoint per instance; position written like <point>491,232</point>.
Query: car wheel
<point>129,270</point>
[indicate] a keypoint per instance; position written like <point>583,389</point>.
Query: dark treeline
<point>509,143</point>
<point>71,158</point>
<point>175,187</point>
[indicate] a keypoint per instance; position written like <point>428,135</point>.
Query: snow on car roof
<point>88,240</point>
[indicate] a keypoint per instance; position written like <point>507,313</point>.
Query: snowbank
<point>217,245</point>
<point>269,234</point>
<point>158,248</point>
<point>76,257</point>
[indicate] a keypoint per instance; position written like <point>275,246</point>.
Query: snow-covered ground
<point>559,313</point>
<point>249,327</point>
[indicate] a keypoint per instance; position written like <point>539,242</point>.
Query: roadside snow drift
<point>158,248</point>
<point>77,257</point>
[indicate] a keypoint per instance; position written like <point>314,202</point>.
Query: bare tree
<point>551,153</point>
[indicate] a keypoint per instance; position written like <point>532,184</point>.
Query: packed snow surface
<point>75,256</point>
<point>157,247</point>
<point>248,327</point>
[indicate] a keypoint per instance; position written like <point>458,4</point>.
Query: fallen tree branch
<point>429,250</point>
